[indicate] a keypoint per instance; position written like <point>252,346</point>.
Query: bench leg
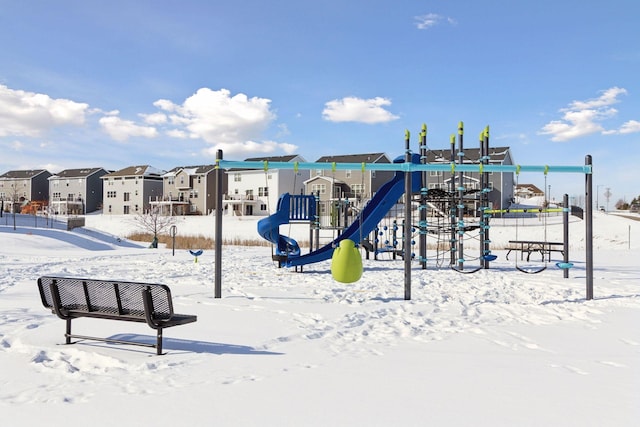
<point>159,342</point>
<point>67,335</point>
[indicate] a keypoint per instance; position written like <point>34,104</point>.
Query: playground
<point>319,351</point>
<point>410,182</point>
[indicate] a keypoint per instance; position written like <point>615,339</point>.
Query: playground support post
<point>565,232</point>
<point>484,183</point>
<point>589,226</point>
<point>407,222</point>
<point>452,203</point>
<point>460,206</point>
<point>218,241</point>
<point>423,196</point>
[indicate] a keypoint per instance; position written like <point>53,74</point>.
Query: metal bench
<point>72,298</point>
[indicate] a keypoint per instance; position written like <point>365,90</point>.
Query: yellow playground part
<point>346,262</point>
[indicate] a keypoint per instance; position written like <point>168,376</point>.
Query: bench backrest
<point>108,297</point>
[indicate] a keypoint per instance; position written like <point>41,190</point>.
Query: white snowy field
<point>494,348</point>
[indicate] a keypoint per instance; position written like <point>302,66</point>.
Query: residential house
<point>355,185</point>
<point>130,190</point>
<point>76,191</point>
<point>501,184</point>
<point>18,187</point>
<point>188,190</point>
<point>527,191</point>
<point>256,192</point>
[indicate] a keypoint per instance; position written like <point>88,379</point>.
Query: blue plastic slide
<point>269,229</point>
<point>384,199</point>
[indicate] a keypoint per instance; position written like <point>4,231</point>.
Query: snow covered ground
<point>494,348</point>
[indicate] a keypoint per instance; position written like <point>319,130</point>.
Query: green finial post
<point>460,128</point>
<point>453,139</point>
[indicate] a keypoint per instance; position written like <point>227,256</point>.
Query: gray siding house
<point>501,184</point>
<point>20,186</point>
<point>76,191</point>
<point>188,190</point>
<point>354,185</point>
<point>130,190</point>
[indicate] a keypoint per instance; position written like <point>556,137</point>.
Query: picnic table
<point>530,246</point>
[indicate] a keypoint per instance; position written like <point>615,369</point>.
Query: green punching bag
<point>346,263</point>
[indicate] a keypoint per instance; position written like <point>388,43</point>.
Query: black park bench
<point>72,298</point>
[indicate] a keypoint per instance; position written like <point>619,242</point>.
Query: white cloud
<point>429,20</point>
<point>121,130</point>
<point>154,119</point>
<point>352,109</point>
<point>235,149</point>
<point>217,117</point>
<point>632,126</point>
<point>583,118</point>
<point>32,114</point>
<point>234,124</point>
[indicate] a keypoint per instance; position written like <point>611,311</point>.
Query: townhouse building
<point>17,187</point>
<point>130,190</point>
<point>256,192</point>
<point>76,191</point>
<point>188,190</point>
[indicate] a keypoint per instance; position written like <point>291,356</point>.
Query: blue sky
<point>167,83</point>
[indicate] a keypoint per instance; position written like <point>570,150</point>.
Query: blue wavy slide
<point>269,229</point>
<point>384,199</point>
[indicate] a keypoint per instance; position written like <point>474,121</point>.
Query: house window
<point>171,180</point>
<point>263,191</point>
<point>193,194</point>
<point>358,189</point>
<point>263,207</point>
<point>237,177</point>
<point>109,209</point>
<point>70,197</point>
<point>249,194</point>
<point>127,197</point>
<point>126,209</point>
<point>435,173</point>
<point>373,174</point>
<point>318,172</point>
<point>348,174</point>
<point>199,179</point>
<point>319,188</point>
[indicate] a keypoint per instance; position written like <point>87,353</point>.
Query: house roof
<point>191,170</point>
<point>496,155</point>
<point>523,188</point>
<point>23,174</point>
<point>143,170</point>
<point>329,179</point>
<point>286,158</point>
<point>356,158</point>
<point>77,173</point>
